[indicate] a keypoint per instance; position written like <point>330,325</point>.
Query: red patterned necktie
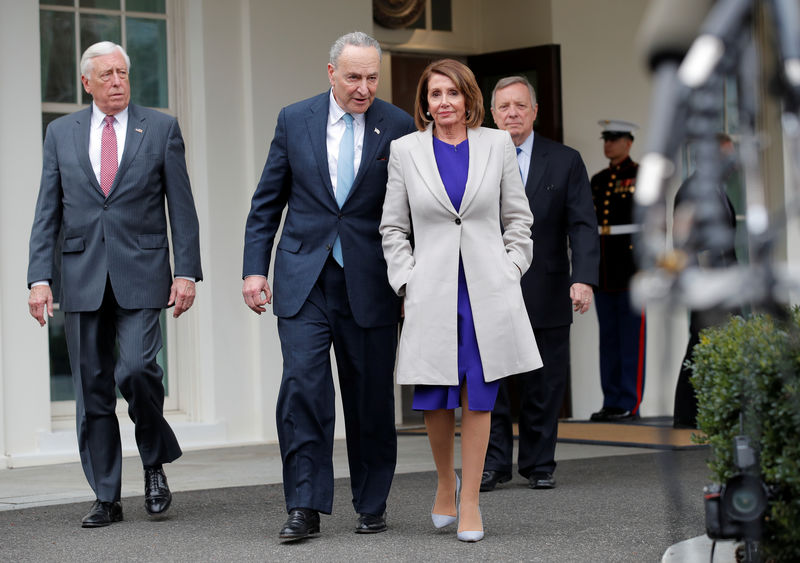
<point>108,155</point>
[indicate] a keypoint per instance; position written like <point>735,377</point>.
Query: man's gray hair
<point>508,81</point>
<point>356,39</point>
<point>98,50</point>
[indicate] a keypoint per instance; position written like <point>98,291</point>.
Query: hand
<point>40,301</point>
<point>256,293</point>
<point>181,295</point>
<point>581,295</point>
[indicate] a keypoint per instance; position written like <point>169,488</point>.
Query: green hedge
<point>751,366</point>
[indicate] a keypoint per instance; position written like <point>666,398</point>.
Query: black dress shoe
<point>490,479</point>
<point>371,523</point>
<point>613,414</point>
<point>102,514</point>
<point>541,481</point>
<point>302,523</point>
<point>157,496</point>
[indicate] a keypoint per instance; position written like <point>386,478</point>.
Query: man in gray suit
<point>106,172</point>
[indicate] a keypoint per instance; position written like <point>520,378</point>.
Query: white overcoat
<point>423,236</point>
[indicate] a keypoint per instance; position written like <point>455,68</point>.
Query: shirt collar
<point>335,112</point>
<point>527,145</point>
<point>98,116</point>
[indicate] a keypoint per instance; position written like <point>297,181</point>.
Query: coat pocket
<point>73,244</point>
<point>289,244</point>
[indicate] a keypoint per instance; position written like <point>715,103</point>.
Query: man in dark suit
<point>328,165</point>
<point>564,234</point>
<point>106,173</point>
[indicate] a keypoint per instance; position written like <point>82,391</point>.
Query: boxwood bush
<point>750,367</point>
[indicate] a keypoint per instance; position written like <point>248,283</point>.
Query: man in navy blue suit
<point>328,165</point>
<point>566,253</point>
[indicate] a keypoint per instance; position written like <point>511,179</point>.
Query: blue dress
<point>453,164</point>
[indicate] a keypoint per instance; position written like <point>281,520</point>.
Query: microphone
<point>721,27</point>
<point>665,36</point>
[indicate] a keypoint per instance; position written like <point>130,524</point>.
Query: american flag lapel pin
<point>377,131</point>
<point>139,130</point>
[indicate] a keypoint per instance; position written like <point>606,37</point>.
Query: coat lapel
<point>372,137</point>
<point>425,162</point>
<point>536,169</point>
<point>478,159</point>
<point>317,123</point>
<point>133,140</point>
<point>83,121</point>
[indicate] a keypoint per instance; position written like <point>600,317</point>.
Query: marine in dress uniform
<point>622,327</point>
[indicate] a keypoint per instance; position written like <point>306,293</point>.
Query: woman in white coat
<point>456,238</point>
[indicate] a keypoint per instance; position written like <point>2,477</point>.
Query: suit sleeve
<point>584,240</point>
<point>266,207</point>
<point>47,218</point>
<point>515,211</point>
<point>395,228</point>
<point>182,212</point>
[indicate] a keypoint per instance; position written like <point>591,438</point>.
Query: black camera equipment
<point>736,509</point>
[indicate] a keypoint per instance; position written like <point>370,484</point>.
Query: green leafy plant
<point>746,376</point>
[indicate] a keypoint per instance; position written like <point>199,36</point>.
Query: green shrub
<point>750,367</point>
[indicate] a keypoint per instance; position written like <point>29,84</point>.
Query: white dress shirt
<point>96,134</point>
<point>335,131</point>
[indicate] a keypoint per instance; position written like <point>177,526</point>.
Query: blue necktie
<point>519,150</point>
<point>344,176</point>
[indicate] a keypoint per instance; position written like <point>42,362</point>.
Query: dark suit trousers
<point>685,410</point>
<point>306,406</point>
<point>91,337</point>
<point>541,395</point>
<point>622,350</point>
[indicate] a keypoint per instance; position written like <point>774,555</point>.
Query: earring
<point>427,114</point>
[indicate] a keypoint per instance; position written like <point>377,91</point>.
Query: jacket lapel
<point>425,162</point>
<point>317,123</point>
<point>478,159</point>
<point>536,169</point>
<point>83,121</point>
<point>133,140</point>
<point>372,138</point>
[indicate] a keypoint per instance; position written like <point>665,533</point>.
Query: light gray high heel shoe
<point>442,520</point>
<point>470,536</point>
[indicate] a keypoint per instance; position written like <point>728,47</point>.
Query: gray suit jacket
<point>122,237</point>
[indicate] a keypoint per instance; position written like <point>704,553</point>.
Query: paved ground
<point>611,508</point>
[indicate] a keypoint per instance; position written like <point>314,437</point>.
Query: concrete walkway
<point>612,504</point>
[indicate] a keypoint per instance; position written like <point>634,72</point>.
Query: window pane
<point>57,31</point>
<point>57,3</point>
<point>441,15</point>
<point>103,4</point>
<point>95,28</point>
<point>420,23</point>
<point>60,372</point>
<point>147,48</point>
<point>152,6</point>
<point>46,119</point>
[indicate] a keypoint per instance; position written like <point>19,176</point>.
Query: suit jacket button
<point>458,220</point>
<point>105,206</point>
<point>341,215</point>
